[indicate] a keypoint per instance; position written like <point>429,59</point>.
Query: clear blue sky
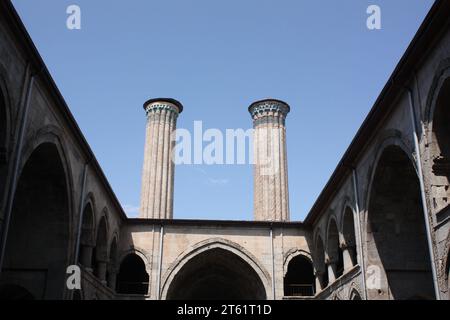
<point>217,57</point>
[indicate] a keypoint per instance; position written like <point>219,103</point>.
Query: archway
<point>334,250</point>
<point>348,231</point>
<point>37,246</point>
<point>440,153</point>
<point>396,239</point>
<point>441,130</point>
<point>299,279</point>
<point>216,274</point>
<point>132,277</point>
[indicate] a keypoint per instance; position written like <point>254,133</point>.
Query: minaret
<point>271,196</point>
<point>158,170</point>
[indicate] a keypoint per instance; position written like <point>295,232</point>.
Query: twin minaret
<point>158,170</point>
<point>270,186</point>
<point>271,196</point>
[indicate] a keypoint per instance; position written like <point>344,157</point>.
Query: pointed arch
<point>218,248</point>
<point>437,117</point>
<point>299,279</point>
<point>396,235</point>
<point>133,278</point>
<point>39,238</point>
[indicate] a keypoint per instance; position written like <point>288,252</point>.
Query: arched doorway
<point>396,235</point>
<point>348,231</point>
<point>216,274</point>
<point>441,131</point>
<point>299,279</point>
<point>439,148</point>
<point>133,277</point>
<point>37,246</point>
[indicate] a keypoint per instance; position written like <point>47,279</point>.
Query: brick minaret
<point>158,170</point>
<point>271,196</point>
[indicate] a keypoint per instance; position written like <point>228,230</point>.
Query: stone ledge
<point>91,282</point>
<point>342,280</point>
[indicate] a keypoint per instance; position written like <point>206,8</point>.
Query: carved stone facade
<point>379,230</point>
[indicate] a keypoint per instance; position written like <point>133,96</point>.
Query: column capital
<point>344,245</point>
<point>159,104</point>
<point>269,107</point>
<point>330,261</point>
<point>319,273</point>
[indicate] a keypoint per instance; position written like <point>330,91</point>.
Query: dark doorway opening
<point>132,277</point>
<point>38,239</point>
<point>397,242</point>
<point>299,279</point>
<point>216,274</point>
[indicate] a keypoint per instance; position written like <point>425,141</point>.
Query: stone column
<point>101,270</point>
<point>112,277</point>
<point>347,254</point>
<point>86,256</point>
<point>271,196</point>
<point>319,281</point>
<point>331,268</point>
<point>158,169</point>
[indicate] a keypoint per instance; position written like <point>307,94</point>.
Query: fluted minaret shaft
<point>158,169</point>
<point>271,196</point>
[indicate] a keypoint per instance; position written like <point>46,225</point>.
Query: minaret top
<point>261,107</point>
<point>163,101</point>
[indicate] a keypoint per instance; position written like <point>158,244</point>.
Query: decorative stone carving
<point>155,107</point>
<point>262,108</point>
